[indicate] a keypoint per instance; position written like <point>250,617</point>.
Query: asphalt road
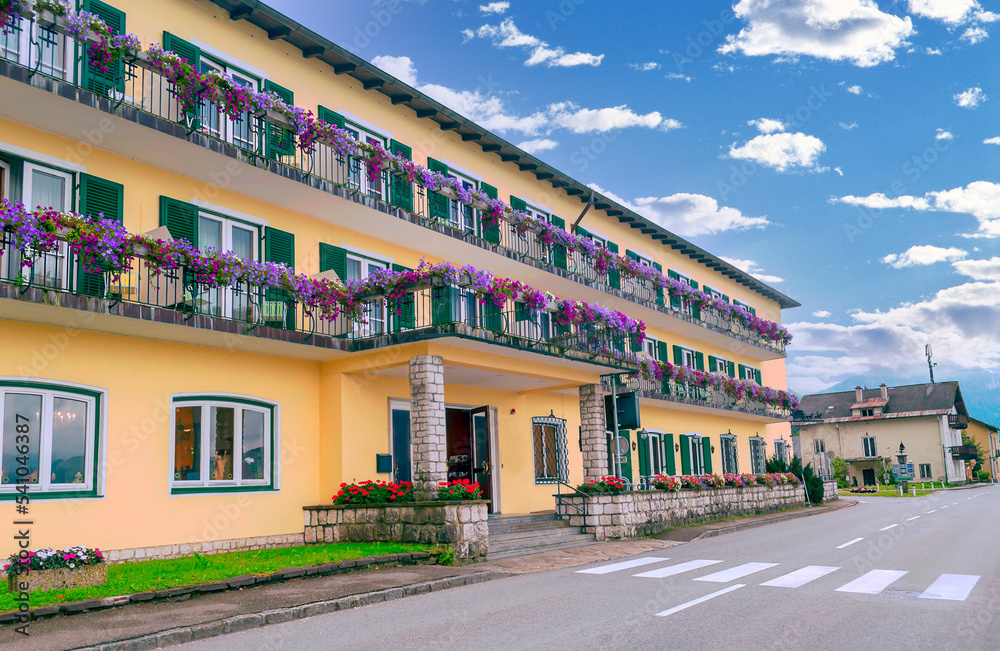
<point>920,573</point>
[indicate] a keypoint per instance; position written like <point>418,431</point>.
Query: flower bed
<point>863,490</point>
<point>48,569</point>
<point>374,492</point>
<point>459,490</point>
<point>675,483</point>
<point>609,485</point>
<point>192,87</point>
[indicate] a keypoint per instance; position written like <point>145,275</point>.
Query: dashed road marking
<point>889,527</point>
<point>912,519</point>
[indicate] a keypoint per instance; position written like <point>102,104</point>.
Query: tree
<point>774,464</point>
<point>840,472</point>
<point>980,453</point>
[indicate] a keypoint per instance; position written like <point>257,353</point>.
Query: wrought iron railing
<point>674,391</point>
<point>256,138</point>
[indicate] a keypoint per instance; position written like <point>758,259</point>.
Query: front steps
<point>517,535</point>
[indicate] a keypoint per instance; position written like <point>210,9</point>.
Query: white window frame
<point>228,126</point>
<point>456,209</point>
<point>227,295</point>
<point>749,373</point>
<point>62,251</point>
<point>925,471</point>
<point>365,133</point>
<point>96,400</point>
<point>651,347</point>
<point>745,306</point>
<point>654,441</point>
<point>686,306</point>
<point>779,450</point>
<point>26,53</point>
<point>724,363</point>
<point>869,446</point>
<point>758,455</point>
<point>240,403</point>
<point>697,453</point>
<point>377,324</point>
<point>5,182</point>
<point>819,446</point>
<point>687,353</point>
<point>729,440</point>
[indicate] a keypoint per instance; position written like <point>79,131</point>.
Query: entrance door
<point>482,465</point>
<point>868,474</point>
<point>401,468</point>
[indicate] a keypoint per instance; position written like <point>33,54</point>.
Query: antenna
<point>930,364</point>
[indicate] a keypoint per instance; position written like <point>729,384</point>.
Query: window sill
<point>210,490</point>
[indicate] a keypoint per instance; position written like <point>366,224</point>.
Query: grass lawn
<point>143,576</point>
<point>886,493</point>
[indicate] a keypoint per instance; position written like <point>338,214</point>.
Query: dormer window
<point>868,412</point>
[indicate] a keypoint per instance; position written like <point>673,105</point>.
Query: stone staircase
<point>517,535</point>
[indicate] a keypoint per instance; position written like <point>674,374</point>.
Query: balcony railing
<point>958,421</point>
<point>433,311</point>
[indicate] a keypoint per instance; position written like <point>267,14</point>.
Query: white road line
<point>624,565</point>
<point>912,519</point>
<point>677,569</point>
<point>945,506</point>
<point>733,573</point>
<point>848,544</point>
<point>699,600</point>
<point>889,527</point>
<point>954,503</point>
<point>931,511</point>
<point>872,583</point>
<point>954,587</point>
<point>801,577</point>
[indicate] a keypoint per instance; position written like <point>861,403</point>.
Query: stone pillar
<point>427,425</point>
<point>594,435</point>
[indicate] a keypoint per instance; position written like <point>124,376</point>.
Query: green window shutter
<point>492,317</point>
<point>685,454</point>
<point>675,301</point>
<point>442,305</point>
<point>103,83</point>
<point>678,356</point>
<point>333,118</point>
<point>192,54</point>
<point>280,142</point>
<point>711,362</point>
<point>558,251</point>
<point>489,232</point>
<point>659,288</point>
<point>756,375</point>
<point>333,257</point>
<point>668,454</point>
<point>725,298</point>
<point>742,371</point>
<point>695,310</point>
<point>632,254</point>
<point>708,290</point>
<point>407,317</point>
<point>517,204</point>
<point>706,447</point>
<point>582,232</point>
<point>693,283</point>
<point>402,190</point>
<point>699,361</point>
<point>521,311</point>
<point>180,218</point>
<point>753,311</point>
<point>614,276</point>
<point>663,351</point>
<point>438,204</point>
<point>279,246</point>
<point>97,197</point>
<point>732,369</point>
<point>643,445</point>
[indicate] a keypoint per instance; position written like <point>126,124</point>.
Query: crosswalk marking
<point>695,602</point>
<point>624,565</point>
<point>954,587</point>
<point>733,573</point>
<point>889,527</point>
<point>849,543</point>
<point>872,583</point>
<point>945,506</point>
<point>677,569</point>
<point>913,518</point>
<point>801,577</point>
<point>932,511</point>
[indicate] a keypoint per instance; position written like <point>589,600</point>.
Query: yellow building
<point>987,437</point>
<point>162,410</point>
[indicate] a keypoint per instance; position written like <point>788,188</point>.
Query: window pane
<point>243,243</point>
<point>209,234</point>
<point>187,443</point>
<point>253,444</point>
<point>224,419</point>
<point>22,416</point>
<point>353,269</point>
<point>69,441</point>
<point>47,190</point>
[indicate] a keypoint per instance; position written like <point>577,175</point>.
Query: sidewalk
<point>710,529</point>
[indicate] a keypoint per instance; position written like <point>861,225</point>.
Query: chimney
<point>857,393</point>
<point>885,391</point>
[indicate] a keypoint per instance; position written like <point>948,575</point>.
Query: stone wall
<point>460,525</point>
<point>642,513</point>
<point>830,491</point>
<point>427,425</point>
<point>160,552</point>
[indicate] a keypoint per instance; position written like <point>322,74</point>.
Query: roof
<point>912,400</point>
<point>985,424</point>
<point>278,26</point>
<point>870,403</point>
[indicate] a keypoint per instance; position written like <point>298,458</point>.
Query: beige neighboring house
<point>988,438</point>
<point>865,428</point>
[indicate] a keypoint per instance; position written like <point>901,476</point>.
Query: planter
<point>61,578</point>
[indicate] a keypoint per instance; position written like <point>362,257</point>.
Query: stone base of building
<point>642,513</point>
<point>830,491</point>
<point>160,552</point>
<point>460,525</point>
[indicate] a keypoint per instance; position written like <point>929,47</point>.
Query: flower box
<point>60,578</point>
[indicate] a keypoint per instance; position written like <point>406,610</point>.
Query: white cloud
<point>942,134</point>
<point>970,98</point>
<point>848,127</point>
<point>767,125</point>
<point>981,199</point>
<point>979,269</point>
<point>921,256</point>
<point>494,7</point>
<point>677,75</point>
<point>781,151</point>
<point>537,145</point>
<point>953,12</point>
<point>974,35</point>
<point>995,140</point>
<point>645,67</point>
<point>506,34</point>
<point>689,215</point>
<point>838,171</point>
<point>855,90</point>
<point>934,51</point>
<point>754,269</point>
<point>838,30</point>
<point>492,113</point>
<point>821,314</point>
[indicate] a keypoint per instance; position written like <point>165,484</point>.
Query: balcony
<point>958,421</point>
<point>154,128</point>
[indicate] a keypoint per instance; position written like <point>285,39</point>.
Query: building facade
<point>987,437</point>
<point>865,428</point>
<point>164,409</point>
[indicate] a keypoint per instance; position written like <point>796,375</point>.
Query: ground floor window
<point>779,451</point>
<point>693,458</point>
<point>549,442</point>
<point>925,471</point>
<point>223,443</point>
<point>757,455</point>
<point>51,438</point>
<point>730,460</point>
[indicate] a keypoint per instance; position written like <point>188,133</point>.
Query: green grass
<point>886,493</point>
<point>145,576</point>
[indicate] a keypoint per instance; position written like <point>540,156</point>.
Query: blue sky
<point>846,151</point>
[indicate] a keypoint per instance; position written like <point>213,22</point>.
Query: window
<point>48,188</point>
<point>779,451</point>
<point>685,305</point>
<point>215,122</point>
<point>719,365</point>
<point>651,347</point>
<point>869,411</point>
<point>730,459</point>
<point>221,233</point>
<point>925,471</point>
<point>549,437</point>
<point>463,216</point>
<point>222,442</point>
<point>693,454</point>
<point>357,170</point>
<point>654,443</point>
<point>748,373</point>
<point>4,175</point>
<point>868,446</point>
<point>819,446</point>
<point>358,268</point>
<point>47,49</point>
<point>688,357</point>
<point>758,455</point>
<point>746,307</point>
<point>51,438</point>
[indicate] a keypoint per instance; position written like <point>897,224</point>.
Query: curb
<point>237,623</point>
<point>712,533</point>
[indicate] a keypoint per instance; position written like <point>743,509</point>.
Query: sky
<point>847,152</point>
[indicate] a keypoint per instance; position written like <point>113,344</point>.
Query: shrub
<point>814,485</point>
<point>50,559</point>
<point>459,490</point>
<point>667,483</point>
<point>865,490</point>
<point>602,485</point>
<point>374,492</point>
